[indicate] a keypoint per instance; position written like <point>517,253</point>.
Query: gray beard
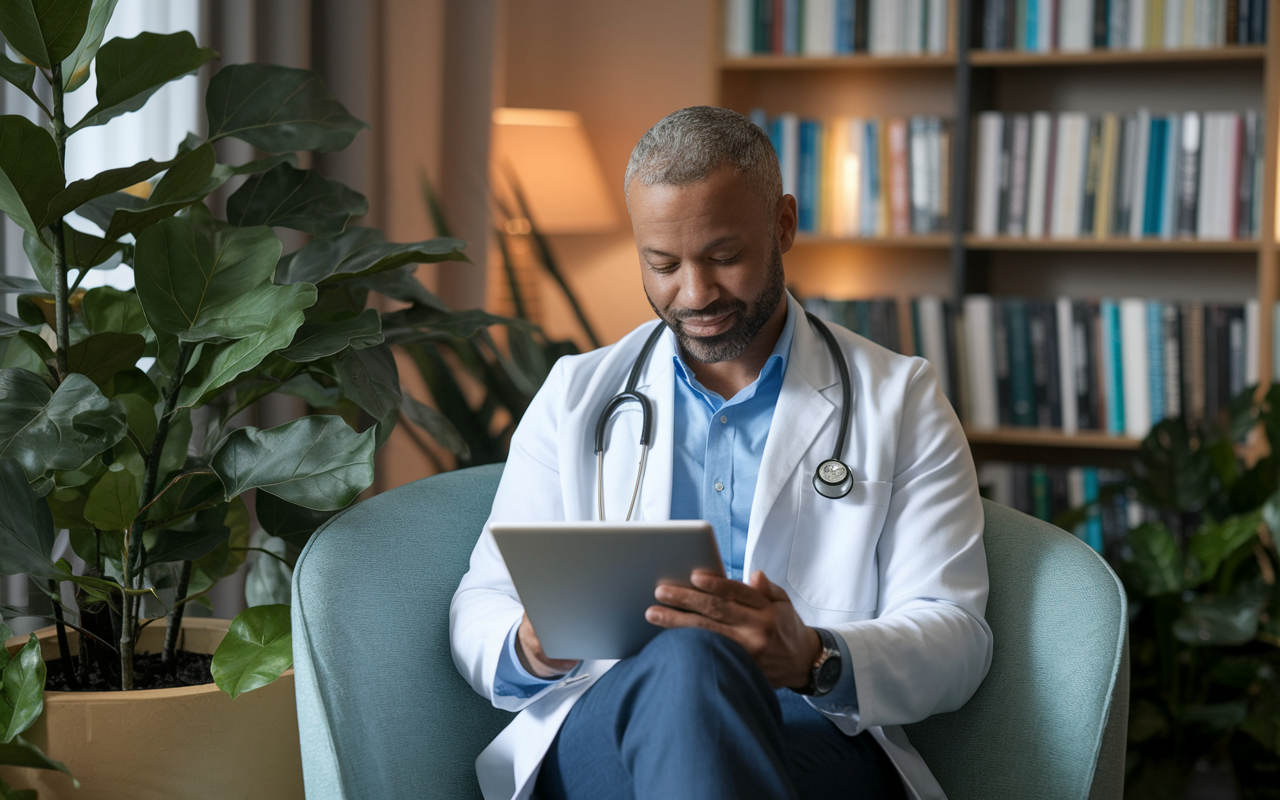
<point>750,319</point>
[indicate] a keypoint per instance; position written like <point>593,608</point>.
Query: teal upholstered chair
<point>383,712</point>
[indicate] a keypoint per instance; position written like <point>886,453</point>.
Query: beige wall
<point>622,65</point>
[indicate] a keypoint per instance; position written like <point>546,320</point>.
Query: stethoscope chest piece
<point>833,479</point>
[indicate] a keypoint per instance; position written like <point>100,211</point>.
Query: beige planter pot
<point>162,744</point>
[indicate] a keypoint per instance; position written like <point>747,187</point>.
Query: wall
<point>622,66</point>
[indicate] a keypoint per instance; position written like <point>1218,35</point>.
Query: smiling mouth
<point>709,326</point>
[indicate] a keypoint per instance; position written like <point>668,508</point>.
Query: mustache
<point>716,309</point>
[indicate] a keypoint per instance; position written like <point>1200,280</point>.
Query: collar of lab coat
<point>810,395</point>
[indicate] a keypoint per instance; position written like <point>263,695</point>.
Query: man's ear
<point>787,220</point>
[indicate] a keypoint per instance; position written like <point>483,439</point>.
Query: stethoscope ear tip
<point>833,479</point>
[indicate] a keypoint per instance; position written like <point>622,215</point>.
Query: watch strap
<point>830,650</point>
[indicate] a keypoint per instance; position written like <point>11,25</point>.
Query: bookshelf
<point>967,80</point>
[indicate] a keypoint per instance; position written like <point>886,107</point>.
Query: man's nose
<point>699,288</point>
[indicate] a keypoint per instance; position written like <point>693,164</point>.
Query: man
<point>840,619</point>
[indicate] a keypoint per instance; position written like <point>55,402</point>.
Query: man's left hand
<point>757,615</point>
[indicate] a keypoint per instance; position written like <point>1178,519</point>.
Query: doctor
<point>841,619</point>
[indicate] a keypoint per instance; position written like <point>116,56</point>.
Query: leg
<point>691,716</point>
<point>824,763</point>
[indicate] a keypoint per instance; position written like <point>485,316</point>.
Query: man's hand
<point>533,659</point>
<point>757,615</point>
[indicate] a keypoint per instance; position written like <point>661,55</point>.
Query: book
<point>820,30</point>
<point>1092,176</point>
<point>980,360</point>
<point>987,173</point>
<point>1135,367</point>
<point>1188,175</point>
<point>1112,365</point>
<point>1038,161</point>
<point>1019,153</point>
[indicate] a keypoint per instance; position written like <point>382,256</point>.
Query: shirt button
<point>719,486</point>
<point>723,419</point>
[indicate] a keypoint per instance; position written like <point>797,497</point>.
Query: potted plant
<point>151,472</point>
<point>1200,572</point>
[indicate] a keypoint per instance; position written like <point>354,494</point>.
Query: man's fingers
<point>665,617</point>
<point>737,591</point>
<point>699,602</point>
<point>767,588</point>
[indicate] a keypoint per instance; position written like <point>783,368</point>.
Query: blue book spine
<point>791,27</point>
<point>871,168</point>
<point>1155,358</point>
<point>1033,14</point>
<point>1112,366</point>
<point>775,135</point>
<point>1155,178</point>
<point>1093,523</point>
<point>844,26</point>
<point>761,119</point>
<point>807,175</point>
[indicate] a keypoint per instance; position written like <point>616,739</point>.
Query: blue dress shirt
<point>719,445</point>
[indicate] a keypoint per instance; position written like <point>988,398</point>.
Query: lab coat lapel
<point>658,383</point>
<point>801,414</point>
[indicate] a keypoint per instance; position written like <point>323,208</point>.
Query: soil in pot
<point>149,672</point>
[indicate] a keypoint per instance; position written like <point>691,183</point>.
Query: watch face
<point>828,674</point>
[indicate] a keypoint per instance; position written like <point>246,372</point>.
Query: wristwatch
<point>826,670</point>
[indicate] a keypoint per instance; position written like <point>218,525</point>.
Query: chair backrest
<point>382,711</point>
<point>1050,719</point>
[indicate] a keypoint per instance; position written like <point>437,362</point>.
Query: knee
<point>694,651</point>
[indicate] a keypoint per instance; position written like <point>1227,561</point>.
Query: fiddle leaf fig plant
<point>120,410</point>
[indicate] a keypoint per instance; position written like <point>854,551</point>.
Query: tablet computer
<point>586,585</point>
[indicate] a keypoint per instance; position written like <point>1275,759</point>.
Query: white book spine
<point>933,344</point>
<point>1037,181</point>
<point>1044,29</point>
<point>1067,366</point>
<point>1075,486</point>
<point>1061,169</point>
<point>1137,24</point>
<point>1203,36</point>
<point>1075,25</point>
<point>1251,342</point>
<point>939,25</point>
<point>790,152</point>
<point>737,28</point>
<point>980,351</point>
<point>1209,147</point>
<point>990,131</point>
<point>912,26</point>
<point>1173,24</point>
<point>1135,367</point>
<point>1140,153</point>
<point>1077,143</point>
<point>820,28</point>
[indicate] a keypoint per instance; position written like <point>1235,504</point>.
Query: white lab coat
<point>897,567</point>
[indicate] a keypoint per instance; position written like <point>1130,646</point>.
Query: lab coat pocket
<point>833,552</point>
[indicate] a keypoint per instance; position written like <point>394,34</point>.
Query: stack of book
<point>825,28</point>
<point>857,177</point>
<point>1040,26</point>
<point>875,319</point>
<point>1071,175</point>
<point>1049,491</point>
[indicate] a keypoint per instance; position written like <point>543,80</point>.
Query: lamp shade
<point>548,153</point>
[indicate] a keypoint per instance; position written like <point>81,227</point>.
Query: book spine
<point>789,156</point>
<point>1101,12</point>
<point>1021,375</point>
<point>778,28</point>
<point>1135,373</point>
<point>1126,149</point>
<point>1000,337</point>
<point>1103,211</point>
<point>1169,186</point>
<point>1052,176</point>
<point>900,186</point>
<point>1038,339</point>
<point>1092,177</point>
<point>1053,367</point>
<point>1069,388</point>
<point>1093,522</point>
<point>1251,342</point>
<point>1155,177</point>
<point>1112,364</point>
<point>1038,173</point>
<point>1195,378</point>
<point>1245,183</point>
<point>1017,214</point>
<point>1236,342</point>
<point>1118,25</point>
<point>1155,360</point>
<point>1006,146</point>
<point>861,25</point>
<point>1137,214</point>
<point>762,27</point>
<point>871,172</point>
<point>1086,346</point>
<point>1188,174</point>
<point>844,26</point>
<point>980,349</point>
<point>987,205</point>
<point>918,173</point>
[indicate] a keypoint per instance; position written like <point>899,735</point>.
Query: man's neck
<point>727,378</point>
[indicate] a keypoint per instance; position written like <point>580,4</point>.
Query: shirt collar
<point>775,367</point>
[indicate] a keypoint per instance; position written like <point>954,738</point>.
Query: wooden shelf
<point>1017,58</point>
<point>930,241</point>
<point>1113,245</point>
<point>1037,437</point>
<point>858,61</point>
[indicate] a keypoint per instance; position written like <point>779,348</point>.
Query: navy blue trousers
<point>692,716</point>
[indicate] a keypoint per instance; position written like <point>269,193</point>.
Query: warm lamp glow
<point>549,153</point>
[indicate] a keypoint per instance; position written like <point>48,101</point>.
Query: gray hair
<point>688,145</point>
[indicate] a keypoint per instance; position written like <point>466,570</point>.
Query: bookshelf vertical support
<point>1268,278</point>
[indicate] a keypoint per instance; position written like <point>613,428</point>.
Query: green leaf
<point>257,649</point>
<point>295,198</point>
<point>369,378</point>
<point>194,538</point>
<point>288,521</point>
<point>224,363</point>
<point>359,252</point>
<point>1156,559</point>
<point>22,691</point>
<point>316,341</point>
<point>183,496</point>
<point>45,31</point>
<point>30,172</point>
<point>21,753</point>
<point>436,425</point>
<point>75,69</point>
<point>227,557</point>
<point>26,350</point>
<point>22,76</point>
<point>269,579</point>
<point>191,178</point>
<point>113,501</point>
<point>100,209</point>
<point>131,70</point>
<point>110,310</point>
<point>80,192</point>
<point>100,356</point>
<point>317,462</point>
<point>277,109</point>
<point>200,279</point>
<point>12,285</point>
<point>1223,620</point>
<point>141,417</point>
<point>60,430</point>
<point>308,388</point>
<point>1212,543</point>
<point>26,526</point>
<point>420,324</point>
<point>402,284</point>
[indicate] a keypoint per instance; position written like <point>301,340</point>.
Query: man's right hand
<point>533,659</point>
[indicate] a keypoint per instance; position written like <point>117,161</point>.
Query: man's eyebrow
<point>653,251</point>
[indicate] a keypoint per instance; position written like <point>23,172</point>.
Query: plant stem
<point>64,649</point>
<point>175,616</point>
<point>62,311</point>
<point>132,557</point>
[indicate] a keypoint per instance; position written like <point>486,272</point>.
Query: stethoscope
<point>832,478</point>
